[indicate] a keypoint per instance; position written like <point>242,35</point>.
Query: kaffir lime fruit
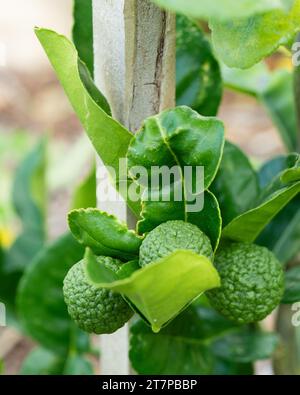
<point>171,236</point>
<point>95,310</point>
<point>252,282</point>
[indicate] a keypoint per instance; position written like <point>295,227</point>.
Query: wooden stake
<point>134,47</point>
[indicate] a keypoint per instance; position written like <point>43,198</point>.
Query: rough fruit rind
<point>252,282</point>
<point>95,310</point>
<point>171,236</point>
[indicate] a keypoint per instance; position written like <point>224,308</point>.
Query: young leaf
<point>179,279</point>
<point>40,300</point>
<point>292,286</point>
<point>243,42</point>
<point>198,77</point>
<point>104,234</point>
<point>85,100</point>
<point>83,31</point>
<point>273,198</point>
<point>236,184</point>
<point>223,9</point>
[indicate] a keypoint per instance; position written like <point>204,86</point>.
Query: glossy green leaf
<point>223,9</point>
<point>243,42</point>
<point>40,300</point>
<point>88,103</point>
<point>292,286</point>
<point>196,337</point>
<point>83,32</point>
<point>85,193</point>
<point>198,77</point>
<point>273,198</point>
<point>236,184</point>
<point>179,137</point>
<point>104,234</point>
<point>282,235</point>
<point>42,362</point>
<point>29,202</point>
<point>179,279</point>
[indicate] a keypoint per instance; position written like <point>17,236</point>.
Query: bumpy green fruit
<point>171,236</point>
<point>252,282</point>
<point>95,310</point>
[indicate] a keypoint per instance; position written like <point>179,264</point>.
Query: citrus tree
<point>197,282</point>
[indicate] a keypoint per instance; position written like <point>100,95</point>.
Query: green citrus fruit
<point>95,310</point>
<point>171,236</point>
<point>252,282</point>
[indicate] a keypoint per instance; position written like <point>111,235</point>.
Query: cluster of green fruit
<point>252,279</point>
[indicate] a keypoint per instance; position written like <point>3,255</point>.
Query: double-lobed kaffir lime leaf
<point>184,140</point>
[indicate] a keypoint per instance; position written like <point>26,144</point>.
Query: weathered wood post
<point>134,47</point>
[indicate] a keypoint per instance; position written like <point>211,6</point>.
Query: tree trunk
<point>134,47</point>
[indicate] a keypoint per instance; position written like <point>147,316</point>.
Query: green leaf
<point>77,365</point>
<point>83,31</point>
<point>292,286</point>
<point>236,184</point>
<point>179,279</point>
<point>243,42</point>
<point>104,234</point>
<point>223,9</point>
<point>282,235</point>
<point>180,139</point>
<point>42,362</point>
<point>198,77</point>
<point>40,300</point>
<point>193,337</point>
<point>29,203</point>
<point>88,103</point>
<point>246,346</point>
<point>273,198</point>
<point>85,193</point>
